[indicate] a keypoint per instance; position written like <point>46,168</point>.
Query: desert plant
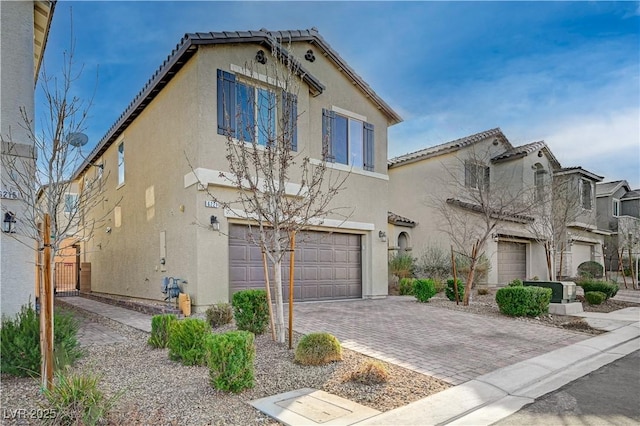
<point>186,340</point>
<point>402,265</point>
<point>483,291</point>
<point>230,357</point>
<point>160,330</point>
<point>219,314</point>
<point>590,269</point>
<point>424,290</point>
<point>406,286</point>
<point>516,283</point>
<point>523,301</point>
<point>370,373</point>
<point>318,349</point>
<point>434,263</point>
<point>595,297</point>
<point>20,342</point>
<point>76,400</point>
<point>250,310</point>
<point>450,291</point>
<point>609,289</point>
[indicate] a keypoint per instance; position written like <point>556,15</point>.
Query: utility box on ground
<point>561,292</point>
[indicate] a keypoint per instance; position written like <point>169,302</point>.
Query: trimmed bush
<point>20,342</point>
<point>516,283</point>
<point>406,286</point>
<point>523,301</point>
<point>219,314</point>
<point>318,349</point>
<point>609,289</point>
<point>424,290</point>
<point>250,310</point>
<point>590,269</point>
<point>160,330</point>
<point>370,373</point>
<point>450,291</point>
<point>595,297</point>
<point>186,340</point>
<point>231,357</point>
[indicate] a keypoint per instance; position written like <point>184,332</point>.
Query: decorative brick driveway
<point>450,345</point>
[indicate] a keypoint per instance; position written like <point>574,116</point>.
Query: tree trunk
<point>547,252</point>
<point>277,275</point>
<point>471,275</point>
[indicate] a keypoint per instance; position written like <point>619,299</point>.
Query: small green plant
<point>219,314</point>
<point>318,349</point>
<point>370,373</point>
<point>402,265</point>
<point>523,301</point>
<point>440,285</point>
<point>160,330</point>
<point>450,291</point>
<point>250,310</point>
<point>516,283</point>
<point>76,400</point>
<point>483,291</point>
<point>424,290</point>
<point>186,340</point>
<point>595,297</point>
<point>406,286</point>
<point>590,269</point>
<point>609,289</point>
<point>20,342</point>
<point>230,357</point>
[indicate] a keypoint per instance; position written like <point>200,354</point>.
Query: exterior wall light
<point>215,225</point>
<point>383,236</point>
<point>9,223</point>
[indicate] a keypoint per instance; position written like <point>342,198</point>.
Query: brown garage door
<point>327,265</point>
<point>512,261</point>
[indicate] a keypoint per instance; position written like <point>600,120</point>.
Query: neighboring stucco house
<point>24,27</point>
<point>160,213</point>
<point>428,187</point>
<point>619,216</point>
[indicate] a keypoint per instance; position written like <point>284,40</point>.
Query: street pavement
<point>607,396</point>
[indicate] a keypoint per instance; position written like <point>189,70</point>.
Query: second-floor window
<point>586,194</point>
<point>616,207</point>
<point>347,140</point>
<point>70,203</point>
<point>538,178</point>
<point>476,175</point>
<point>121,163</point>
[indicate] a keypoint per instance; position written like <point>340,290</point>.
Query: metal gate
<point>66,279</point>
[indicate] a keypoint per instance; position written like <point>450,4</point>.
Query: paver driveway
<point>450,345</point>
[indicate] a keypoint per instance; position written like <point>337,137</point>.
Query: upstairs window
<point>476,176</point>
<point>538,179</point>
<point>586,194</point>
<point>616,207</point>
<point>70,203</point>
<point>347,140</point>
<point>121,163</point>
<point>248,112</point>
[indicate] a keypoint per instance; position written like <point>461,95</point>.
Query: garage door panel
<point>328,266</point>
<point>512,261</point>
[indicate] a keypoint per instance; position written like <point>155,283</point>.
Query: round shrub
<point>250,310</point>
<point>450,291</point>
<point>370,373</point>
<point>609,289</point>
<point>318,349</point>
<point>406,286</point>
<point>424,290</point>
<point>523,301</point>
<point>219,314</point>
<point>516,283</point>
<point>186,340</point>
<point>595,297</point>
<point>590,269</point>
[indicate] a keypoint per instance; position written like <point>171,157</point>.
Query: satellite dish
<point>77,139</point>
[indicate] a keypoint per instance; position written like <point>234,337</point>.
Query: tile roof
<point>189,45</point>
<point>448,147</point>
<point>635,193</point>
<point>396,219</point>
<point>604,189</point>
<point>578,169</point>
<point>524,150</point>
<point>508,217</point>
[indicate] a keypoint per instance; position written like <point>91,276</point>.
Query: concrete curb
<point>496,395</point>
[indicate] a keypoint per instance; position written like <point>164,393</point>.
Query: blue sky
<point>567,73</point>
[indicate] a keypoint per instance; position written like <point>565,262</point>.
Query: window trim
<point>329,142</point>
<point>615,207</point>
<point>582,200</point>
<point>74,205</point>
<point>121,164</point>
<point>478,166</point>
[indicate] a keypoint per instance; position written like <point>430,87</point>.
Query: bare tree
<point>476,209</point>
<point>278,191</point>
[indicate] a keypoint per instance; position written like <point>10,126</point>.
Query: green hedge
<point>250,310</point>
<point>595,297</point>
<point>186,341</point>
<point>406,286</point>
<point>318,349</point>
<point>424,290</point>
<point>231,357</point>
<point>609,289</point>
<point>523,301</point>
<point>160,330</point>
<point>450,291</point>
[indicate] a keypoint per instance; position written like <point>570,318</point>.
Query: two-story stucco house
<point>485,176</point>
<point>159,209</point>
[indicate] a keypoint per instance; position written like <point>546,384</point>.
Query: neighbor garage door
<point>512,261</point>
<point>580,252</point>
<point>327,265</point>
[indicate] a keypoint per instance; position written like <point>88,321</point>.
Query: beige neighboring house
<point>428,186</point>
<point>24,27</point>
<point>160,225</point>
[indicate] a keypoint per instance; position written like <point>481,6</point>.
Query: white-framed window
<point>121,163</point>
<point>615,205</point>
<point>586,194</point>
<point>70,203</point>
<point>348,139</point>
<point>476,175</point>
